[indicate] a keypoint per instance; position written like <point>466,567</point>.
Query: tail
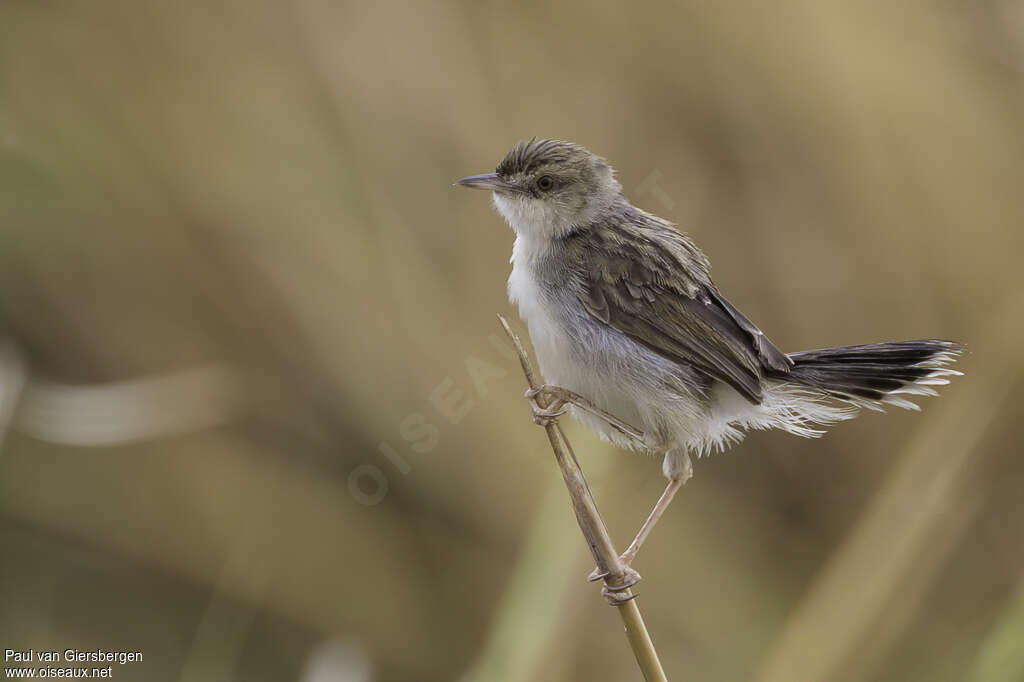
<point>829,385</point>
<point>876,374</point>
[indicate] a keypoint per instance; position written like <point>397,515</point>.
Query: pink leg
<point>674,484</point>
<point>645,530</point>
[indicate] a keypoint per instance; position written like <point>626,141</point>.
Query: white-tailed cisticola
<point>632,334</point>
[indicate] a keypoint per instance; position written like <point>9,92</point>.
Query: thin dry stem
<point>596,534</point>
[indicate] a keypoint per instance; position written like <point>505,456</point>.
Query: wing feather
<point>654,287</point>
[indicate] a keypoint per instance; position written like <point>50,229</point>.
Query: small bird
<point>632,335</point>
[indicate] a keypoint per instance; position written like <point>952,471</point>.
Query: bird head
<point>548,188</point>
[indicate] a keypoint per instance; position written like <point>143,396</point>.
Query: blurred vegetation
<point>263,190</point>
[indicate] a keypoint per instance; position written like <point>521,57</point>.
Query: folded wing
<point>662,297</point>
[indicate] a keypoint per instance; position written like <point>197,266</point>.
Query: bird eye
<point>545,182</point>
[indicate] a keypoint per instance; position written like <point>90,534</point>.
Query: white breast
<point>546,330</point>
<point>594,373</point>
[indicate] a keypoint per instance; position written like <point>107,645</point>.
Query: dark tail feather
<point>877,373</point>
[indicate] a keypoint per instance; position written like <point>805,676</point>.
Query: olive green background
<point>346,485</point>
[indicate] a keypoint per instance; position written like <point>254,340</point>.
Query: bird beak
<point>491,181</point>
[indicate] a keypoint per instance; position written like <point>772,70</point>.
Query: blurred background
<point>259,421</point>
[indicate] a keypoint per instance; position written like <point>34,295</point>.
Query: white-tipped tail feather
<point>828,386</point>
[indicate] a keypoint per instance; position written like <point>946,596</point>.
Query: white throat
<point>530,217</point>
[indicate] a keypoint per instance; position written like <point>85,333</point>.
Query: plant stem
<point>596,533</point>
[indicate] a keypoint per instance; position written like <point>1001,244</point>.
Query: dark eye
<point>545,182</point>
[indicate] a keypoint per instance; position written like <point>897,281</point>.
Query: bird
<point>634,339</point>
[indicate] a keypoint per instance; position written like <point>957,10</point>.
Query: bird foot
<point>616,598</point>
<point>543,416</point>
<point>558,397</point>
<point>614,593</point>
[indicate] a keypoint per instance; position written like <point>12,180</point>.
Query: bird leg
<point>560,397</point>
<point>678,475</point>
<point>557,398</point>
<point>659,508</point>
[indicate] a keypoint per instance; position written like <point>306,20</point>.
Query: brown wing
<point>660,295</point>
